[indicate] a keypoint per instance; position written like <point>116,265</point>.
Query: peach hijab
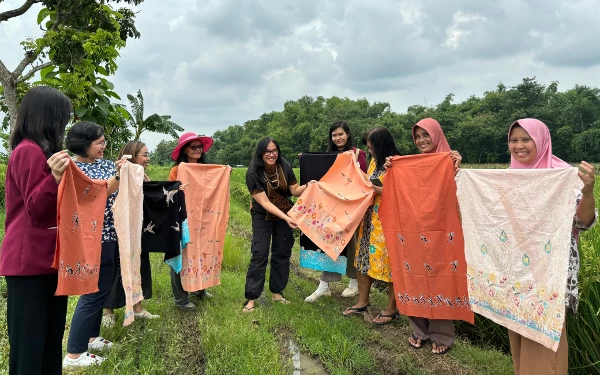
<point>436,133</point>
<point>538,131</point>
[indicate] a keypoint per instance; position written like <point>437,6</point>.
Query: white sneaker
<point>100,344</point>
<point>316,294</point>
<point>109,320</point>
<point>350,292</point>
<point>84,360</point>
<point>144,314</point>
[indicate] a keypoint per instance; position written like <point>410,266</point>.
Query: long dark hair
<point>43,116</point>
<point>257,165</point>
<point>349,142</point>
<point>183,158</point>
<point>383,145</point>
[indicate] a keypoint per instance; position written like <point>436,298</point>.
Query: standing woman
<point>116,297</point>
<point>35,316</point>
<point>372,260</point>
<point>86,141</point>
<point>530,147</point>
<point>340,139</point>
<point>191,148</point>
<point>429,137</point>
<point>271,182</point>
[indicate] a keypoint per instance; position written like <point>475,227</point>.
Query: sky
<point>213,64</point>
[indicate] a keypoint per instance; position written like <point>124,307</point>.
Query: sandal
<point>247,309</point>
<point>392,316</point>
<point>282,301</point>
<point>437,345</point>
<point>355,310</point>
<point>416,339</point>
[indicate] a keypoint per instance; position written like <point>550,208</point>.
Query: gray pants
<point>181,296</point>
<point>439,330</point>
<point>350,269</point>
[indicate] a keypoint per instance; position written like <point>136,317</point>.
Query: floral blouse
<point>572,295</point>
<point>103,169</point>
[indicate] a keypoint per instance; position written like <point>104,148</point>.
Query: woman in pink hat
<point>190,149</point>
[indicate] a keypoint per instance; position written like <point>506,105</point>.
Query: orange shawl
<point>422,228</point>
<point>329,211</point>
<point>80,216</point>
<point>207,202</point>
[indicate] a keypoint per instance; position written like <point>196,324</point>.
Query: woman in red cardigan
<point>35,317</point>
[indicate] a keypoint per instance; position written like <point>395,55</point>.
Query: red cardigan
<point>362,159</point>
<point>30,227</point>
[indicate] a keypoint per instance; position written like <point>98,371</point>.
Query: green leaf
<point>100,69</point>
<point>42,15</point>
<point>102,107</point>
<point>124,112</point>
<point>44,72</point>
<point>81,111</point>
<point>113,95</point>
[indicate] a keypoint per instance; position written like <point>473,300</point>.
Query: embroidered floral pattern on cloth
<point>424,238</point>
<point>329,211</point>
<point>128,214</point>
<point>207,199</point>
<point>517,227</point>
<point>80,214</point>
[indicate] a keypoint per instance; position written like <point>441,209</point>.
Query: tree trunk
<point>10,95</point>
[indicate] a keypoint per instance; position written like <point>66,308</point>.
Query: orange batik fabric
<point>80,216</point>
<point>207,202</point>
<point>329,211</point>
<point>423,233</point>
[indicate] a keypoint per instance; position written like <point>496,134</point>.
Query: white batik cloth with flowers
<point>517,228</point>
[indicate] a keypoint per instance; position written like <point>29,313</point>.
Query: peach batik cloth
<point>80,216</point>
<point>128,214</point>
<point>424,238</point>
<point>517,225</point>
<point>329,211</point>
<point>207,202</point>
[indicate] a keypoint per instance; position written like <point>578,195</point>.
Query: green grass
<point>219,339</point>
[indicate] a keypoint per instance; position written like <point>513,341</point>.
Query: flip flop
<point>415,338</point>
<point>393,316</point>
<point>282,301</point>
<point>248,309</point>
<point>438,344</point>
<point>356,310</point>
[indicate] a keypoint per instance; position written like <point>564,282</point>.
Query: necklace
<point>273,181</point>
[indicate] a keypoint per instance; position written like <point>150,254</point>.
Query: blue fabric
<point>317,260</point>
<point>176,262</point>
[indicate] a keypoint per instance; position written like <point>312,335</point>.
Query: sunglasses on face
<point>196,147</point>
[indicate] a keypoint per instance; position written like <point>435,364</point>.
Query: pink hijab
<point>436,133</point>
<point>538,131</point>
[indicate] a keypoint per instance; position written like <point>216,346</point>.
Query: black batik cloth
<point>164,213</point>
<point>313,166</point>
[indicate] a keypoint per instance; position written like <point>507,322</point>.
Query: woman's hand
<point>378,189</point>
<point>291,222</point>
<point>118,164</point>
<point>588,176</point>
<point>58,163</point>
<point>388,163</point>
<point>457,159</point>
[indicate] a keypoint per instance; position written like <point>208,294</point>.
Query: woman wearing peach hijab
<point>530,147</point>
<point>429,137</point>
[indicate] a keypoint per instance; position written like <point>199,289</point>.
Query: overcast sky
<point>212,64</point>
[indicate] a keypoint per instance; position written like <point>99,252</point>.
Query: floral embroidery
<point>503,236</point>
<point>526,260</point>
<point>322,225</point>
<point>548,248</point>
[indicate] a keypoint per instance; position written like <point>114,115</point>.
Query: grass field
<point>218,338</point>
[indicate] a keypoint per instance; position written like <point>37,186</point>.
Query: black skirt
<point>116,297</point>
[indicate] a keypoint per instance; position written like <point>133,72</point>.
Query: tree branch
<point>5,16</point>
<point>4,73</point>
<point>33,70</point>
<point>28,59</point>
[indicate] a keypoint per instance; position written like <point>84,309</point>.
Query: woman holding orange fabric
<point>116,298</point>
<point>371,258</point>
<point>429,137</point>
<point>191,148</point>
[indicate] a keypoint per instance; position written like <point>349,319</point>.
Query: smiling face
<point>142,158</point>
<point>521,145</point>
<point>423,140</point>
<point>96,149</point>
<point>193,151</point>
<point>270,155</point>
<point>339,138</point>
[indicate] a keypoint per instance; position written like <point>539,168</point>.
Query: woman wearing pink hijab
<point>429,138</point>
<point>531,148</point>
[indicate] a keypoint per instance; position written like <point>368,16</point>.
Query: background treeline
<point>476,127</point>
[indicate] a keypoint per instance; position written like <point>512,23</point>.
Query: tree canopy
<point>477,127</point>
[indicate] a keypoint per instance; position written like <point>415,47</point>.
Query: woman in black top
<point>271,182</point>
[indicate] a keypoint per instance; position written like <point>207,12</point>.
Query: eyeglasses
<point>196,147</point>
<point>271,152</point>
<point>100,143</point>
<point>145,155</point>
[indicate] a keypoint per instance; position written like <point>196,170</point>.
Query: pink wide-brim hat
<point>189,137</point>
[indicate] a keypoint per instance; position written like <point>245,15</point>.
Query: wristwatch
<point>117,177</point>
